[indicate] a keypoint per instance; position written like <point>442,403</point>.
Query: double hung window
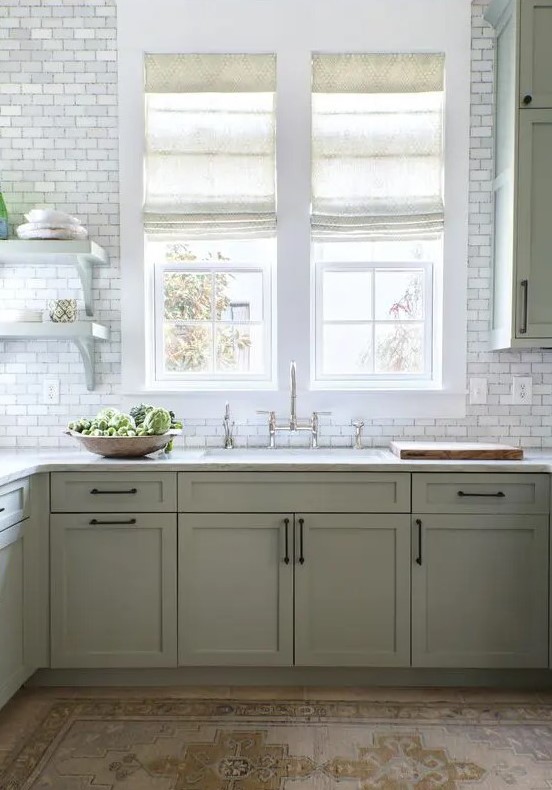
<point>377,217</point>
<point>210,216</point>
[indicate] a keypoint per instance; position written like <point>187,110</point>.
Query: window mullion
<point>293,124</point>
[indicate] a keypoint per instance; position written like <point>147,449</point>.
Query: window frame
<point>392,381</point>
<point>215,380</point>
<point>363,26</point>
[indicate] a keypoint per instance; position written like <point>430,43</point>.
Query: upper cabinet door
<point>535,82</point>
<point>534,241</point>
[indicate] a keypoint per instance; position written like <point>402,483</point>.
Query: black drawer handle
<point>95,522</point>
<point>129,491</point>
<point>2,509</point>
<point>498,494</point>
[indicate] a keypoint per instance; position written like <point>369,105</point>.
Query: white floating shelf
<point>83,255</point>
<point>82,333</point>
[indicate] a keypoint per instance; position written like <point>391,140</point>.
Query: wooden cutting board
<point>456,451</point>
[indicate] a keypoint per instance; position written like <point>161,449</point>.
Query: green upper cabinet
<point>535,63</point>
<point>522,185</point>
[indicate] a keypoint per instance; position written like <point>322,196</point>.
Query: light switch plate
<point>478,391</point>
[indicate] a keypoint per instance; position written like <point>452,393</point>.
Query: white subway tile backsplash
<point>58,144</point>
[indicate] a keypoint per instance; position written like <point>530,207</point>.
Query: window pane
<point>188,349</point>
<point>239,296</point>
<point>347,296</point>
<point>399,348</point>
<point>400,295</point>
<point>239,349</point>
<point>347,349</point>
<point>187,297</point>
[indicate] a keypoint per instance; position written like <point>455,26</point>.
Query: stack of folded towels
<point>46,223</point>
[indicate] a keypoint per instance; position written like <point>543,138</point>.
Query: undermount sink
<point>296,454</point>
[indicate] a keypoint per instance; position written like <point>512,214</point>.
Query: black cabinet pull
<point>2,509</point>
<point>301,553</point>
<point>419,525</point>
<point>527,99</point>
<point>524,285</point>
<point>95,522</point>
<point>499,494</point>
<point>129,491</point>
<point>286,525</point>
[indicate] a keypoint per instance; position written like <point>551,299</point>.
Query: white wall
<point>58,145</point>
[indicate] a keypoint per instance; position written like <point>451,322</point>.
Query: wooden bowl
<point>124,446</point>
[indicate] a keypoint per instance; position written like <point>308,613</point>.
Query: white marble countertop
<point>15,464</point>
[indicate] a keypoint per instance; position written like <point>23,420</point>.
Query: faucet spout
<point>293,394</point>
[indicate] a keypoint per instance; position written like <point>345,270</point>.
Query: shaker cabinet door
<point>480,591</point>
<point>535,81</point>
<point>113,590</point>
<point>235,591</point>
<point>534,236</point>
<point>352,590</point>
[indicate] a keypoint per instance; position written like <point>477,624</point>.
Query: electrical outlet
<point>522,390</point>
<point>51,391</point>
<point>478,391</point>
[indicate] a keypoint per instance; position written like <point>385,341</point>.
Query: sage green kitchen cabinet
<point>522,188</point>
<point>535,79</point>
<point>534,237</point>
<point>113,590</point>
<point>352,590</point>
<point>235,593</point>
<point>480,591</point>
<point>18,603</point>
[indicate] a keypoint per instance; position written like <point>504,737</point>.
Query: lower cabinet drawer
<point>309,492</point>
<point>113,590</point>
<point>92,492</point>
<point>480,493</point>
<point>14,503</point>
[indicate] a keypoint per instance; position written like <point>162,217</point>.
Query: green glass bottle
<point>3,218</point>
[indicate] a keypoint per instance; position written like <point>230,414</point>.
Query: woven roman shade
<point>210,146</point>
<point>377,154</point>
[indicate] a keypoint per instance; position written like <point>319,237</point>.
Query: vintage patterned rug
<point>174,744</point>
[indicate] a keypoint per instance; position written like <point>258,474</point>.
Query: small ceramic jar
<point>63,311</point>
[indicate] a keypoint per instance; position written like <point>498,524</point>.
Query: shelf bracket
<point>83,266</point>
<point>85,346</point>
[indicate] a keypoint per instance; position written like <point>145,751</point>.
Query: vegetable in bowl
<point>143,420</point>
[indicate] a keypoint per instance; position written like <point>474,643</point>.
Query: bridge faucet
<point>294,424</point>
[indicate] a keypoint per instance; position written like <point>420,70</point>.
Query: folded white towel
<point>69,232</point>
<point>51,216</point>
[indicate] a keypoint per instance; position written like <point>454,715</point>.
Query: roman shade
<point>210,146</point>
<point>377,148</point>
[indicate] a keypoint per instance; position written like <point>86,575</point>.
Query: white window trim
<point>294,30</point>
<point>215,382</point>
<point>428,379</point>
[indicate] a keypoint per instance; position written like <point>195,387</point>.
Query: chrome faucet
<point>294,424</point>
<point>228,428</point>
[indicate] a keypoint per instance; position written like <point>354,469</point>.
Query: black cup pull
<point>286,526</point>
<point>498,494</point>
<point>419,525</point>
<point>301,552</point>
<point>527,99</point>
<point>96,523</point>
<point>128,491</point>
